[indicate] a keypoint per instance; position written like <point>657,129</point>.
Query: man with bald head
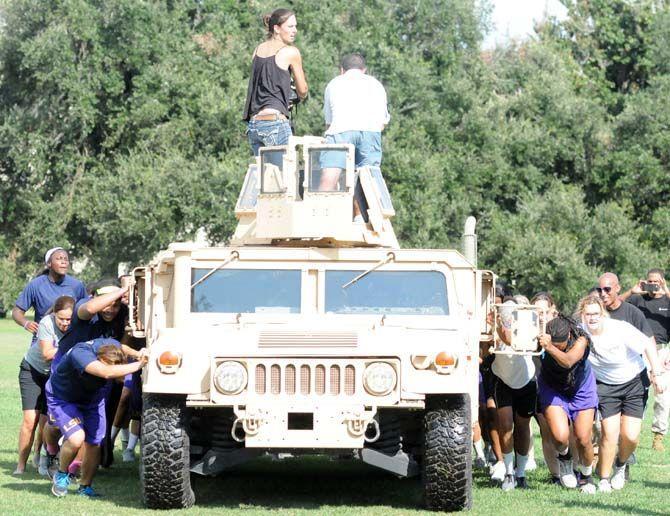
<point>609,289</point>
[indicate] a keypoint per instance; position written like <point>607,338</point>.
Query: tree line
<point>121,129</point>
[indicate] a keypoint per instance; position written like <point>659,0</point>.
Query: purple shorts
<point>585,398</point>
<point>72,417</point>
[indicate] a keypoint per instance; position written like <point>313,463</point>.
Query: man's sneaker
<point>604,486</point>
<point>88,492</point>
<point>657,443</point>
<point>521,483</point>
<point>129,456</point>
<point>498,472</point>
<point>508,483</point>
<point>531,465</point>
<point>566,474</point>
<point>618,479</point>
<point>60,484</point>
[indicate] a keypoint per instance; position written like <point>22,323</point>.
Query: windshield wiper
<point>389,258</point>
<point>233,256</point>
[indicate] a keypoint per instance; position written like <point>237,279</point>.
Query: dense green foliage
<point>120,129</point>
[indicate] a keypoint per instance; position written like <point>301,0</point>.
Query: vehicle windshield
<point>247,291</point>
<point>387,292</point>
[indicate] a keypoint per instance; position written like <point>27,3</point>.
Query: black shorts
<point>31,383</point>
<point>628,399</point>
<point>523,401</point>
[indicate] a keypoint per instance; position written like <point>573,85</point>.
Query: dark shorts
<point>31,383</point>
<point>488,383</point>
<point>72,417</point>
<point>627,399</point>
<point>133,382</point>
<point>367,144</point>
<point>585,398</point>
<point>521,400</point>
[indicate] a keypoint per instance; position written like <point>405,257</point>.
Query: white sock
<point>521,461</point>
<point>115,431</point>
<point>124,434</point>
<point>132,441</point>
<point>508,459</point>
<point>585,470</point>
<point>479,448</point>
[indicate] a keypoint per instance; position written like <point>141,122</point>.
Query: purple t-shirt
<point>42,292</point>
<point>69,380</point>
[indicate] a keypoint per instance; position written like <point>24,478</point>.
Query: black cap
<point>558,329</point>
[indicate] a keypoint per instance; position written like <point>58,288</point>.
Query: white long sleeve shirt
<point>355,101</point>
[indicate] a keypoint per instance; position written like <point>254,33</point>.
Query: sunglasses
<point>600,290</point>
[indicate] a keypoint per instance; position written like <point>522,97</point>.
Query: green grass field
<point>305,486</point>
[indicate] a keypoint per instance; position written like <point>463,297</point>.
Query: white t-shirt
<point>615,353</point>
<point>515,370</point>
<point>354,101</point>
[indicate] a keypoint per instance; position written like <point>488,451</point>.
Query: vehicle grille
<point>318,339</point>
<point>293,379</point>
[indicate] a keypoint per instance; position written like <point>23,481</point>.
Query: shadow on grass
<point>655,485</point>
<point>306,483</point>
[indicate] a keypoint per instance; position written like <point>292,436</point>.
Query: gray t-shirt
<point>46,331</point>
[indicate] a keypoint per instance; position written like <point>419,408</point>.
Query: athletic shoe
<point>60,484</point>
<point>124,444</point>
<point>498,471</point>
<point>43,466</point>
<point>521,483</point>
<point>129,456</point>
<point>618,477</point>
<point>88,492</point>
<point>566,474</point>
<point>586,485</point>
<point>52,465</point>
<point>555,480</point>
<point>604,486</point>
<point>18,472</point>
<point>508,483</point>
<point>531,465</point>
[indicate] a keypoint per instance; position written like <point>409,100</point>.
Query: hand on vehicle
<point>544,340</point>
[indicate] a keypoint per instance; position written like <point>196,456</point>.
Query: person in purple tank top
<point>275,63</point>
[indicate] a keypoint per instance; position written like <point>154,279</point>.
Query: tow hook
<point>357,424</point>
<point>251,424</point>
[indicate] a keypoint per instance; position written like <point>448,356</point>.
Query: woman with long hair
<point>275,63</point>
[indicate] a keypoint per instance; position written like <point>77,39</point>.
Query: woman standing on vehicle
<point>616,359</point>
<point>274,62</point>
<point>567,395</point>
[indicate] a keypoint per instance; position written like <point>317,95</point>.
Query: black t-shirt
<point>562,379</point>
<point>657,312</point>
<point>632,315</point>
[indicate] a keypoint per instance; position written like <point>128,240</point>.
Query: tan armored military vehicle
<point>311,334</point>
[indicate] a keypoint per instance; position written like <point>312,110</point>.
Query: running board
<point>214,462</point>
<point>400,464</point>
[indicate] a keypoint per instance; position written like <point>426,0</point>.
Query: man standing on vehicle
<point>652,297</point>
<point>355,110</point>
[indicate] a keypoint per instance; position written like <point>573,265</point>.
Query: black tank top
<point>563,380</point>
<point>269,87</point>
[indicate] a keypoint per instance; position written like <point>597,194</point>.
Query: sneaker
<point>618,479</point>
<point>586,485</point>
<point>60,484</point>
<point>43,466</point>
<point>498,471</point>
<point>508,483</point>
<point>124,444</point>
<point>521,483</point>
<point>52,465</point>
<point>604,486</point>
<point>555,480</point>
<point>531,465</point>
<point>566,474</point>
<point>129,456</point>
<point>657,443</point>
<point>18,472</point>
<point>88,492</point>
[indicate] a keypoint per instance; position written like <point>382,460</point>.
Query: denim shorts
<point>267,133</point>
<point>368,146</point>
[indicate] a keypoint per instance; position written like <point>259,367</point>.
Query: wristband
<point>26,324</point>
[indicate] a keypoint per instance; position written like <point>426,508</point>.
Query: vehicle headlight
<point>230,377</point>
<point>379,378</point>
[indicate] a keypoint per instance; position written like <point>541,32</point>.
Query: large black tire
<point>446,469</point>
<point>165,466</point>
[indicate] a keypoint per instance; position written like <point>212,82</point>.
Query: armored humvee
<point>311,333</point>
